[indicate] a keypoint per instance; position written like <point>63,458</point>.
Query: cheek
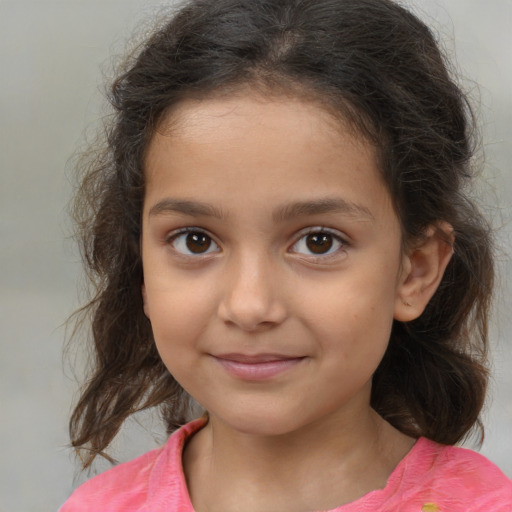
<point>352,319</point>
<point>176,331</point>
<point>351,298</point>
<point>174,295</point>
<point>178,314</point>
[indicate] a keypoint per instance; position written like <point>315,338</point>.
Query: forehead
<point>209,120</point>
<point>261,149</point>
<point>248,101</point>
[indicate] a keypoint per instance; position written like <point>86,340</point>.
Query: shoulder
<point>138,484</point>
<point>458,479</point>
<point>469,469</point>
<point>115,488</point>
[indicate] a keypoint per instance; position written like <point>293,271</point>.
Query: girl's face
<point>272,261</point>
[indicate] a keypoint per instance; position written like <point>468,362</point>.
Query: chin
<point>266,423</point>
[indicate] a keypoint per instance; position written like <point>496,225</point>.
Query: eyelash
<point>338,242</point>
<point>185,232</point>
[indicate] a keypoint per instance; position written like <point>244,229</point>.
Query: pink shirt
<point>430,478</point>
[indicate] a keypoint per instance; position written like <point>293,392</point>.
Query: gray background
<point>52,53</point>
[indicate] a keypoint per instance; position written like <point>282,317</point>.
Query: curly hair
<point>378,67</point>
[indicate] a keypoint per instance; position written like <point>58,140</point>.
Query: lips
<point>257,367</point>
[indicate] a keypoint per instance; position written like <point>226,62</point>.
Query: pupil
<point>198,242</point>
<point>319,243</point>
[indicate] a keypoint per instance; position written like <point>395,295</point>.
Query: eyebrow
<point>326,205</point>
<point>192,208</point>
<point>283,213</point>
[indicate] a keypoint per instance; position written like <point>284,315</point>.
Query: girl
<point>279,228</point>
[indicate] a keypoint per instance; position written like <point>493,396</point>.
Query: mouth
<point>257,367</point>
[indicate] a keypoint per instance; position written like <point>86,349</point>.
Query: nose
<point>252,298</point>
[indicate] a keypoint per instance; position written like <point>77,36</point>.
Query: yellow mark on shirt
<point>430,507</point>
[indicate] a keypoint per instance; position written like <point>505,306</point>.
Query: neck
<point>319,466</point>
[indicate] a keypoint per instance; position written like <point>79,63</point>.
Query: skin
<point>298,258</point>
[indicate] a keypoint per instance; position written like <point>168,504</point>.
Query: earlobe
<point>423,269</point>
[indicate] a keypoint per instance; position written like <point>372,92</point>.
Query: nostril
<point>251,296</point>
<point>252,313</point>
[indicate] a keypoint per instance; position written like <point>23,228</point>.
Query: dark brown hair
<point>380,69</point>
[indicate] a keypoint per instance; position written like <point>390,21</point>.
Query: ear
<point>423,269</point>
<point>145,300</point>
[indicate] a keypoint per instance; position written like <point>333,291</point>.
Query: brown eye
<point>198,242</point>
<point>319,243</point>
<point>191,243</point>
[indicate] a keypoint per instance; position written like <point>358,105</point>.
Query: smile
<point>258,367</point>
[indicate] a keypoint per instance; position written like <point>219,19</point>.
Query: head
<point>388,86</point>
